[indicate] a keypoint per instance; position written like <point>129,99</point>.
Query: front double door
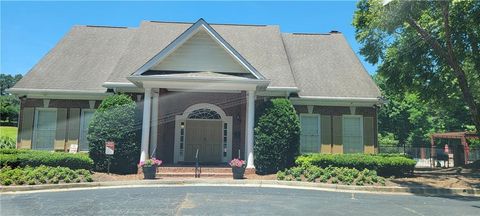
<point>206,136</point>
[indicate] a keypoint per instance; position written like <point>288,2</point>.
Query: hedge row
<point>42,175</point>
<point>384,165</point>
<point>332,175</point>
<point>22,158</point>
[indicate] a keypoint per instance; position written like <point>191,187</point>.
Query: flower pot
<point>238,172</point>
<point>149,172</point>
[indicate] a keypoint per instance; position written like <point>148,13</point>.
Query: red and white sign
<point>73,148</point>
<point>109,148</point>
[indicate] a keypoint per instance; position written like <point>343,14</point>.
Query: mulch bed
<point>435,178</point>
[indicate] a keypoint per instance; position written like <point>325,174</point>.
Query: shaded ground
<point>442,178</point>
<point>206,200</point>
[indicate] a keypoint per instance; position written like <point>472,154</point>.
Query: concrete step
<point>192,169</point>
<point>192,175</point>
<point>189,171</point>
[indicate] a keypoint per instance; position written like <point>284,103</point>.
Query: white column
<point>154,127</point>
<point>147,105</point>
<point>250,124</point>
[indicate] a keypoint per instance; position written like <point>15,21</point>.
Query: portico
<point>218,123</point>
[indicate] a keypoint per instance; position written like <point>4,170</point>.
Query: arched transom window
<point>204,113</point>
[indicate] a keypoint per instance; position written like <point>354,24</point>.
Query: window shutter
<point>73,126</point>
<point>326,134</point>
<point>61,129</point>
<point>337,134</point>
<point>26,129</point>
<point>368,135</point>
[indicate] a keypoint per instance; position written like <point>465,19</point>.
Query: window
<point>87,116</point>
<point>204,113</point>
<point>309,133</point>
<point>225,138</point>
<point>182,137</point>
<point>45,128</point>
<point>352,134</point>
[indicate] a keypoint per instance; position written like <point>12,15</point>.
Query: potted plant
<point>238,168</point>
<point>149,167</point>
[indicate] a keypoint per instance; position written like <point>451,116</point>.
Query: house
<point>199,86</point>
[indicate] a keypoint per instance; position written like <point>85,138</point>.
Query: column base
<point>250,170</point>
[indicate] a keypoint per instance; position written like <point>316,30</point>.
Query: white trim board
<point>207,85</point>
<point>336,101</point>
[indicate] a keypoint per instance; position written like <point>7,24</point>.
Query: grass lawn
<point>9,132</point>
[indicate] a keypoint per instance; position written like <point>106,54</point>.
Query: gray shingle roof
<point>271,62</point>
<point>323,65</point>
<point>82,60</point>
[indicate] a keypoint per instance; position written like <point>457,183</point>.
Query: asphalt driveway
<point>210,200</point>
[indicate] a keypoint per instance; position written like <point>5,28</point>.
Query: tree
<point>8,81</point>
<point>114,121</point>
<point>9,104</point>
<point>277,137</point>
<point>427,47</point>
<point>9,108</point>
<point>411,119</point>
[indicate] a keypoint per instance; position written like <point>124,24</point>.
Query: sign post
<point>109,151</point>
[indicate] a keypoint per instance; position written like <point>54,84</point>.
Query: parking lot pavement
<point>214,200</point>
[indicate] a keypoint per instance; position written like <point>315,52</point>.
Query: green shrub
<point>42,175</point>
<point>21,158</point>
<point>7,142</point>
<point>387,139</point>
<point>312,173</point>
<point>276,137</point>
<point>474,143</point>
<point>334,175</point>
<point>281,175</point>
<point>383,165</point>
<point>114,121</point>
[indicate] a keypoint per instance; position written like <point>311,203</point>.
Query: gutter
<point>338,101</point>
<point>112,85</point>
<point>18,91</point>
<point>288,89</point>
<point>196,79</point>
<point>193,79</point>
<point>335,99</point>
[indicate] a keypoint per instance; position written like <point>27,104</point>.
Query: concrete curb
<point>249,183</point>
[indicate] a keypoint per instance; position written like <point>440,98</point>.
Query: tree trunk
<point>451,60</point>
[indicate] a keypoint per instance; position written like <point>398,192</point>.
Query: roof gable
<point>198,27</point>
<point>200,53</point>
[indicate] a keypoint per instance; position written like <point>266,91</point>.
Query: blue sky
<point>30,29</point>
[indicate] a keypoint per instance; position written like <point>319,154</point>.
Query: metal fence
<point>429,157</point>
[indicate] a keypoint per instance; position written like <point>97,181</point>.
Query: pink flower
<point>237,162</point>
<point>150,162</point>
